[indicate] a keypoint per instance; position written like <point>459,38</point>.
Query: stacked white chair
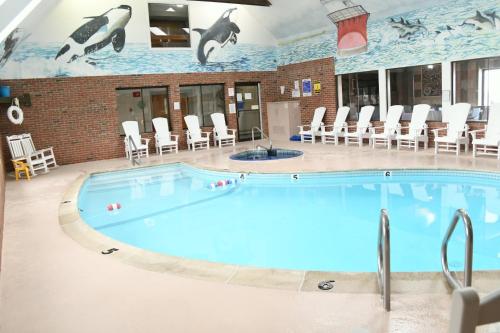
<point>339,127</point>
<point>221,132</point>
<point>362,127</point>
<point>314,128</point>
<point>456,133</point>
<point>390,127</point>
<point>417,130</point>
<point>490,143</point>
<point>22,149</point>
<point>195,137</point>
<point>165,141</point>
<point>135,145</point>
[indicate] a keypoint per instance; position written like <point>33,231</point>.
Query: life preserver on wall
<point>14,108</point>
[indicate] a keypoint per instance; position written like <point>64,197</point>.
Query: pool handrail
<point>264,136</point>
<point>384,259</point>
<point>453,281</point>
<point>134,160</point>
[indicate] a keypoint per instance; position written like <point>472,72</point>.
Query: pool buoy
<point>113,206</point>
<point>222,183</point>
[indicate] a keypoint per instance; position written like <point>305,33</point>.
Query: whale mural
<point>406,28</point>
<point>94,35</point>
<point>10,44</point>
<point>223,31</point>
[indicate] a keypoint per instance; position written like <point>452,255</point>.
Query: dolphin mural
<point>10,44</point>
<point>495,19</point>
<point>222,32</point>
<point>407,29</point>
<point>107,28</point>
<point>480,21</point>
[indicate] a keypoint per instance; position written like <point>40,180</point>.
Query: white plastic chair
<point>195,137</point>
<point>457,131</point>
<point>390,127</point>
<point>164,140</point>
<point>139,146</point>
<point>221,132</point>
<point>315,127</point>
<point>35,159</point>
<point>362,127</point>
<point>339,127</point>
<point>490,143</point>
<point>417,130</point>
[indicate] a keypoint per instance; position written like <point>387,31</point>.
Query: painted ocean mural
<point>448,32</point>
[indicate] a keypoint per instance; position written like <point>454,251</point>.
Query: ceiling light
<point>170,9</point>
<point>430,66</point>
<point>186,30</point>
<point>180,6</point>
<point>157,31</point>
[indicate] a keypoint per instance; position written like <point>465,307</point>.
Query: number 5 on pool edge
<point>294,177</point>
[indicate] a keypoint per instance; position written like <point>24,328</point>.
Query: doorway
<point>248,110</point>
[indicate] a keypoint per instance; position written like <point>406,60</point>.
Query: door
<point>248,110</point>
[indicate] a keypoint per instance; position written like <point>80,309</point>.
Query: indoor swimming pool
<point>307,221</point>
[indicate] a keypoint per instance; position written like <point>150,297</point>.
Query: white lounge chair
<point>390,127</point>
<point>362,127</point>
<point>315,127</point>
<point>221,132</point>
<point>135,145</point>
<point>490,143</point>
<point>457,131</point>
<point>339,127</point>
<point>164,140</point>
<point>195,137</point>
<point>417,130</point>
<point>22,149</point>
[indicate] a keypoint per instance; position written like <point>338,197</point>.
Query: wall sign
<point>317,87</point>
<point>306,87</point>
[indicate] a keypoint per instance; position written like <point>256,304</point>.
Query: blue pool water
<point>309,222</point>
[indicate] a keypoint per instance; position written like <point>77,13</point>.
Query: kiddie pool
<point>310,221</point>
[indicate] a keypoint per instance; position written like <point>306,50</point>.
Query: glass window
<point>358,90</point>
<point>142,105</point>
<point>410,86</point>
<point>202,101</point>
<point>477,82</point>
<point>169,25</point>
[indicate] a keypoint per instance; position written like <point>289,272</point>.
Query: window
<point>477,82</point>
<point>169,25</point>
<point>410,86</point>
<point>358,90</point>
<point>202,101</point>
<point>142,105</point>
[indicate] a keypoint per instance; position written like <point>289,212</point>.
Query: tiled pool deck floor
<point>51,283</point>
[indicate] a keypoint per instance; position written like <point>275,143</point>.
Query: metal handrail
<point>135,161</point>
<point>263,136</point>
<point>384,259</point>
<point>453,281</point>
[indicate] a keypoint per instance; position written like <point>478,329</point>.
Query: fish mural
<point>408,29</point>
<point>94,35</point>
<point>223,31</point>
<point>10,44</point>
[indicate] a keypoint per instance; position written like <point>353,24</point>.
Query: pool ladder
<point>384,260</point>
<point>135,160</point>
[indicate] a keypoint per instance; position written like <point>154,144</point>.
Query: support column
<point>382,92</point>
<point>446,87</point>
<point>339,91</point>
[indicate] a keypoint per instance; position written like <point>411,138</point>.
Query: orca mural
<point>96,34</point>
<point>407,29</point>
<point>10,44</point>
<point>223,31</point>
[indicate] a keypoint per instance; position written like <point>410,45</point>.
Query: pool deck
<point>51,283</point>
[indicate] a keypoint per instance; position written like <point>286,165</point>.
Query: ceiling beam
<point>242,2</point>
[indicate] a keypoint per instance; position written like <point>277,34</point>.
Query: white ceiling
<point>286,18</point>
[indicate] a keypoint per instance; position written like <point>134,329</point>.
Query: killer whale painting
<point>94,35</point>
<point>10,44</point>
<point>222,32</point>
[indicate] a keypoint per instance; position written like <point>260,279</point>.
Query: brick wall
<point>78,116</point>
<point>322,70</point>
